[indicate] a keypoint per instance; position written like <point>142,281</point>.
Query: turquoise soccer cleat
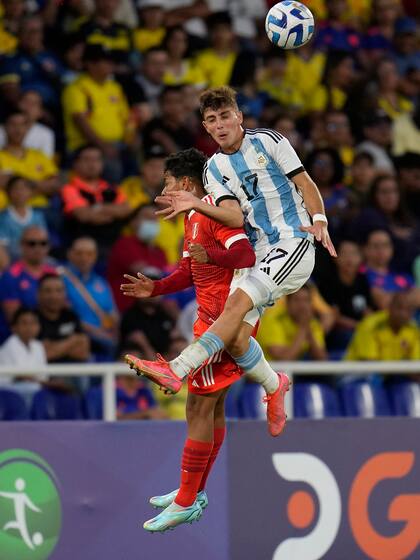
<point>167,499</point>
<point>170,518</point>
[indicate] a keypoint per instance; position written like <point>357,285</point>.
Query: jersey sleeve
<point>227,236</point>
<point>214,183</point>
<point>283,153</point>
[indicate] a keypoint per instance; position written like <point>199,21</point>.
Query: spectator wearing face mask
<point>135,252</point>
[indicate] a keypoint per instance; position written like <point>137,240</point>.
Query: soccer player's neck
<point>198,190</point>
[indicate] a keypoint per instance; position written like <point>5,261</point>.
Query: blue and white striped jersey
<point>259,175</point>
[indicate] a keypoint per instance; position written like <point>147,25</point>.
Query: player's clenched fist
<point>198,253</point>
<point>141,287</point>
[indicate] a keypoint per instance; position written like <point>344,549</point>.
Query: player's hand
<point>176,202</point>
<point>140,287</point>
<point>198,253</point>
<point>320,231</point>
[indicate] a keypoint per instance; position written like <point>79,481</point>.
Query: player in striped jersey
<point>257,180</point>
<point>210,255</point>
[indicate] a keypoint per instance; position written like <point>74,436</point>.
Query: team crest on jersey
<point>195,230</point>
<point>262,160</point>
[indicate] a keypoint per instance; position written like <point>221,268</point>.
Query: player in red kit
<point>211,254</point>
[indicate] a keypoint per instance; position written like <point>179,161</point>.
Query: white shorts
<point>284,269</point>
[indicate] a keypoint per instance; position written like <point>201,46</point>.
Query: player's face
<point>172,184</point>
<point>225,127</point>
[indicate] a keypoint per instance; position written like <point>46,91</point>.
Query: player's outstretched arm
<point>228,212</point>
<point>140,287</point>
<point>143,287</point>
<point>315,205</point>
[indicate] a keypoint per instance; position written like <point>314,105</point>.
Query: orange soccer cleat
<point>276,415</point>
<point>159,372</point>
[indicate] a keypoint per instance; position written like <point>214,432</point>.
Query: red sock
<point>219,436</point>
<point>194,462</point>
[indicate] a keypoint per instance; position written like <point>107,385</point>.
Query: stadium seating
<point>250,401</point>
<point>364,398</point>
<point>93,404</point>
<point>315,400</point>
<point>55,405</point>
<point>12,406</point>
<point>405,398</point>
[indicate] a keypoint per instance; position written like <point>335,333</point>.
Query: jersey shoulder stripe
<point>273,134</point>
<point>266,133</point>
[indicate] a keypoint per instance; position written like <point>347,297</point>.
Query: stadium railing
<point>108,372</point>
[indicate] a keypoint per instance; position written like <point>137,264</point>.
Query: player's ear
<point>186,186</point>
<point>240,116</point>
<point>205,126</point>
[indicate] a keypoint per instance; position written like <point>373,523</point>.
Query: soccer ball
<point>289,24</point>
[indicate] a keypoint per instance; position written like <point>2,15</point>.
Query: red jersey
<point>212,283</point>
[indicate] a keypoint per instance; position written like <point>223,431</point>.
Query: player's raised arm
<point>228,212</point>
<point>143,287</point>
<point>315,206</point>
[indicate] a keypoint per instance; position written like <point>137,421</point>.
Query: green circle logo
<point>30,506</point>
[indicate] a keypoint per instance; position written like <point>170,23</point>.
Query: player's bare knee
<point>240,344</point>
<point>238,304</point>
<point>238,347</point>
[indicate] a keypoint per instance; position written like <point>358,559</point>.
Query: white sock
<point>196,354</point>
<point>257,368</point>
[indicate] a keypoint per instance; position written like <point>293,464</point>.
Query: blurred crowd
<point>94,94</point>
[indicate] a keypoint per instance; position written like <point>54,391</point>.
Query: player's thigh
<point>199,405</point>
<point>285,268</point>
<point>219,410</point>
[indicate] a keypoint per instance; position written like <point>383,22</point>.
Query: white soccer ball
<point>289,24</point>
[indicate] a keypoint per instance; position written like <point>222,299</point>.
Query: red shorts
<point>218,372</point>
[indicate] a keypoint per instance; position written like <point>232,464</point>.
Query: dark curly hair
<point>188,163</point>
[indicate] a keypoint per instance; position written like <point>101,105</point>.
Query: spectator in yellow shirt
<point>151,29</point>
<point>292,333</point>
<point>102,28</point>
<point>96,111</point>
<point>304,69</point>
<point>30,164</point>
<point>339,75</point>
<point>217,62</point>
<point>12,13</point>
<point>388,335</point>
<point>339,136</point>
<point>388,97</point>
<point>180,69</point>
<point>274,82</point>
